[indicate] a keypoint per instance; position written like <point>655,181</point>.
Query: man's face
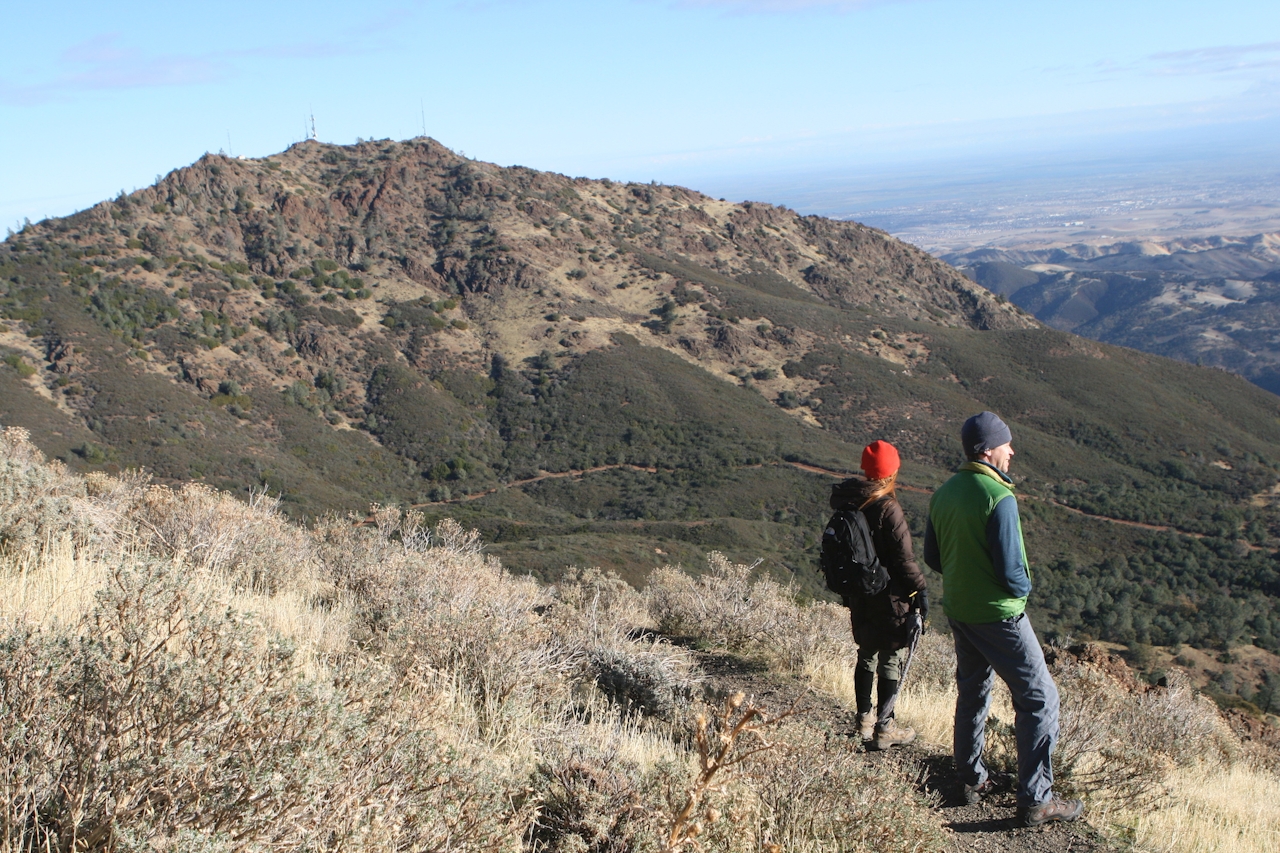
<point>1000,456</point>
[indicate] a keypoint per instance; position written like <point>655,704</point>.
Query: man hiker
<point>974,538</point>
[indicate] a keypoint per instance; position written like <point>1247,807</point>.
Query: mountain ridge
<point>392,323</point>
<point>361,210</point>
<point>1249,257</point>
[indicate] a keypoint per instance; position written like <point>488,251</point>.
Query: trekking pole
<point>917,628</point>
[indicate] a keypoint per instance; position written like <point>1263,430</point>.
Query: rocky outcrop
<point>330,258</point>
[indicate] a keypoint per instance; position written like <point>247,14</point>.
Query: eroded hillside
<point>1209,300</point>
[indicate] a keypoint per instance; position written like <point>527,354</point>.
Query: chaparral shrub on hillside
<point>180,670</point>
<point>35,496</point>
<point>248,542</point>
<point>724,606</point>
<point>165,720</point>
<point>816,793</point>
<point>1122,744</point>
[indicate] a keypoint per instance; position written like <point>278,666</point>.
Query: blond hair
<point>882,487</point>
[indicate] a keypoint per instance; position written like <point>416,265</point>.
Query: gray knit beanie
<point>984,432</point>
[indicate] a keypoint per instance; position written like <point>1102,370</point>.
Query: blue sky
<point>99,97</point>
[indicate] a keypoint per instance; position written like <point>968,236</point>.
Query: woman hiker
<point>882,624</point>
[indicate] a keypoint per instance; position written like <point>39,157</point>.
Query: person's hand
<point>921,602</point>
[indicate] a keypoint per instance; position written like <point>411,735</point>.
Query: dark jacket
<point>881,622</point>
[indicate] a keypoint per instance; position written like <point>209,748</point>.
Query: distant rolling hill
<point>391,322</point>
<point>1210,301</point>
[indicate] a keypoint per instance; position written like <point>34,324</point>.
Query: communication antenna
<point>312,133</point>
<point>423,107</point>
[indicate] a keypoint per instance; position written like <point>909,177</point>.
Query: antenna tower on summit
<point>312,133</point>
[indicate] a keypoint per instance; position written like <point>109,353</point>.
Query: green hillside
<point>653,383</point>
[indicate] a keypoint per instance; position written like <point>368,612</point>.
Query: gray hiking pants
<point>1007,648</point>
<point>887,665</point>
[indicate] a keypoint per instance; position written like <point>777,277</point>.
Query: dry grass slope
<point>183,671</point>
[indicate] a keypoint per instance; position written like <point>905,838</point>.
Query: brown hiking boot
<point>867,725</point>
<point>1053,810</point>
<point>995,782</point>
<point>974,794</point>
<point>892,734</point>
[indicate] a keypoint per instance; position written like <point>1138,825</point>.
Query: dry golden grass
<point>604,730</point>
<point>320,632</point>
<point>56,586</point>
<point>52,586</point>
<point>1210,810</point>
<point>185,671</point>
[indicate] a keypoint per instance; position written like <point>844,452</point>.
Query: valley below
<point>1204,300</point>
<point>1176,259</point>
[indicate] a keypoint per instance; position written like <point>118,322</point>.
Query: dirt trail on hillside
<point>1156,527</point>
<point>545,475</point>
<point>801,466</point>
<point>983,828</point>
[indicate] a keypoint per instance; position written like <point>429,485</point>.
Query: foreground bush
<point>163,717</point>
<point>817,793</point>
<point>726,608</point>
<point>36,498</point>
<point>183,671</point>
<point>1122,745</point>
<point>250,544</point>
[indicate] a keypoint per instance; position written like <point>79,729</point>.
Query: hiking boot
<point>1054,809</point>
<point>974,794</point>
<point>892,734</point>
<point>867,725</point>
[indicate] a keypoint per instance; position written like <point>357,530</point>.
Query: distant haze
<point>768,99</point>
<point>1219,180</point>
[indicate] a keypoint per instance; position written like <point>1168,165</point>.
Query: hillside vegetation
<point>624,376</point>
<point>184,671</point>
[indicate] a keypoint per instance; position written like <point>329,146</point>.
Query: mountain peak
<point>326,259</point>
<point>414,222</point>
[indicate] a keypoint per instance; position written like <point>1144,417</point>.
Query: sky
<point>721,95</point>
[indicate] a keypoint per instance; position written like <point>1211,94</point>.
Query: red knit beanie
<point>879,460</point>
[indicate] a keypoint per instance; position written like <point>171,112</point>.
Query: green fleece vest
<point>959,512</point>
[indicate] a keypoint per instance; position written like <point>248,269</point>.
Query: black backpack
<point>849,560</point>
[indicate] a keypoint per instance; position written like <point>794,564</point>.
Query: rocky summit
<point>325,256</point>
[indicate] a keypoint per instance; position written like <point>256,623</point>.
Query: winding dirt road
<point>800,466</point>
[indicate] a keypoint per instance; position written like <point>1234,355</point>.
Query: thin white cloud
<point>1265,88</point>
<point>104,62</point>
<point>1220,59</point>
<point>783,6</point>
